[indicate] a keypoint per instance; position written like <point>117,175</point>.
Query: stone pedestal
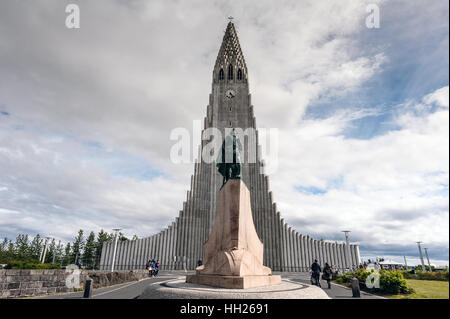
<point>233,253</point>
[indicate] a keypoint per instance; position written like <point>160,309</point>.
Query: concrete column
<point>283,241</point>
<point>160,246</point>
<point>290,250</point>
<point>179,234</point>
<point>172,250</point>
<point>358,257</point>
<point>153,247</point>
<point>327,252</point>
<point>352,257</point>
<point>344,255</point>
<point>333,256</point>
<point>273,237</point>
<point>168,247</point>
<point>316,250</point>
<point>289,247</point>
<point>278,247</point>
<point>128,246</point>
<point>147,249</point>
<point>137,255</point>
<point>319,252</point>
<point>102,256</point>
<point>134,256</point>
<point>162,259</point>
<point>194,206</point>
<point>265,224</point>
<point>298,252</point>
<point>175,240</point>
<point>118,264</point>
<point>339,255</point>
<point>142,253</point>
<point>308,252</point>
<point>304,254</point>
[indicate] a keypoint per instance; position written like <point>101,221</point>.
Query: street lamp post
<point>44,252</point>
<point>421,256</point>
<point>428,259</point>
<point>116,230</point>
<point>347,244</point>
<point>406,264</point>
<point>54,253</point>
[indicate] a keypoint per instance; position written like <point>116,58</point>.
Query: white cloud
<point>137,69</point>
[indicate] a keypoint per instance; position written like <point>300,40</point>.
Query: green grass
<point>425,289</point>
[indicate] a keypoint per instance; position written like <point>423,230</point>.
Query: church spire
<point>230,63</point>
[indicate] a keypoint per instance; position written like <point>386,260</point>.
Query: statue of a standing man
<point>228,161</point>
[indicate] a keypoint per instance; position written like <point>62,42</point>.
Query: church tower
<point>180,245</point>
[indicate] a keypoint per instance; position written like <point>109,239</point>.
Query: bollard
<point>88,289</point>
<point>355,288</point>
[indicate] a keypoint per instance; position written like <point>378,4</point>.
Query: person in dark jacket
<point>315,268</point>
<point>327,273</point>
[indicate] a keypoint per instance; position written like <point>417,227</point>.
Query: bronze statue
<point>230,169</point>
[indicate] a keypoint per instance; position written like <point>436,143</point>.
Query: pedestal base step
<point>233,282</point>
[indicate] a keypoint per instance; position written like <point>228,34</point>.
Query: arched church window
<point>230,72</point>
<point>221,75</point>
<point>239,75</point>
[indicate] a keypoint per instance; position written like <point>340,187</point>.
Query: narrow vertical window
<point>230,72</point>
<point>221,75</point>
<point>239,75</point>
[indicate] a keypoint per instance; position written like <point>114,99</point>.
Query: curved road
<point>132,290</point>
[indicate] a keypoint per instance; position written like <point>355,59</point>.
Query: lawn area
<point>425,289</point>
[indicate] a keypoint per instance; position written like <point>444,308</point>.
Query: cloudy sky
<point>362,114</point>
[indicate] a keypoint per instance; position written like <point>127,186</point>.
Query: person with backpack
<point>315,268</point>
<point>148,267</point>
<point>157,267</point>
<point>327,274</point>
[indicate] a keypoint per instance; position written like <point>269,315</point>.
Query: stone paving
<point>178,288</point>
<point>171,281</point>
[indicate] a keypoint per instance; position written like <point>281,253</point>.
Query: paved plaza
<point>160,288</point>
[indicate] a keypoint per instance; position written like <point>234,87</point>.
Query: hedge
<point>391,282</point>
<point>438,275</point>
<point>30,264</point>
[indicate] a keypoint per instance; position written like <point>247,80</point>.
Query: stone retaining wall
<point>33,282</point>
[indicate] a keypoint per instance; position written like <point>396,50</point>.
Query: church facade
<point>180,245</point>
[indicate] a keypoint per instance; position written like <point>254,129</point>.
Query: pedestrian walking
<point>327,274</point>
<point>315,268</point>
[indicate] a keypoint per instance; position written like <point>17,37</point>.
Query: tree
<point>122,237</point>
<point>3,250</point>
<point>50,251</point>
<point>21,247</point>
<point>102,237</point>
<point>59,253</point>
<point>67,260</point>
<point>77,247</point>
<point>35,247</point>
<point>89,251</point>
